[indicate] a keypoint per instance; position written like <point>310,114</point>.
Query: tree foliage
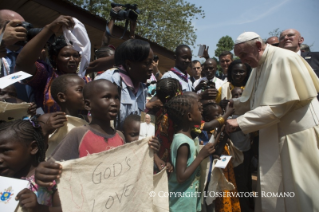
<point>225,43</point>
<point>275,32</point>
<point>166,22</point>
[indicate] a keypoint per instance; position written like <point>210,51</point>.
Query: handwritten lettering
<point>118,196</point>
<point>114,170</point>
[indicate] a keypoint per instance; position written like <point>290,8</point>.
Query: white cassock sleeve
<point>263,116</point>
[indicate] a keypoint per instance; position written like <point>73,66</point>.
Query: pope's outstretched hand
<point>231,125</point>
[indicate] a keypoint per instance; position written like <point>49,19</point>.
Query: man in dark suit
<point>291,39</point>
<point>313,59</point>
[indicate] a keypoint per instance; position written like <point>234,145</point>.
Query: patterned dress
<point>44,194</point>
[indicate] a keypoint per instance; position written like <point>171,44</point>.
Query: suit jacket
<point>313,59</point>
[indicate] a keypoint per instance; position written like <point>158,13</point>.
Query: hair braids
<point>178,107</point>
<point>167,88</point>
<point>26,133</point>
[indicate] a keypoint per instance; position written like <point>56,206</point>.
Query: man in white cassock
<point>147,129</point>
<point>280,101</point>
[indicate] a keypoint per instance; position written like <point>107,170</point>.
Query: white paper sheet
<point>224,160</point>
<point>12,78</point>
<point>9,188</point>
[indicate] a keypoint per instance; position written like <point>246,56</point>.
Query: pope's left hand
<point>231,125</point>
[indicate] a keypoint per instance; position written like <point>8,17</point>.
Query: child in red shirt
<point>102,99</point>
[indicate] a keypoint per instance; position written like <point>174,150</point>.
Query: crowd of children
<point>84,117</point>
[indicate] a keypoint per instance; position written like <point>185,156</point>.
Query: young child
<point>211,111</point>
<point>237,92</point>
<point>185,113</point>
<point>131,128</point>
<point>242,171</point>
<point>166,89</point>
<point>102,99</point>
<point>9,94</point>
<point>67,92</point>
<point>22,148</point>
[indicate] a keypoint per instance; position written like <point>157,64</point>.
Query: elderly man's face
<point>290,39</point>
<point>249,54</point>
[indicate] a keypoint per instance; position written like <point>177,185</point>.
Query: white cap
<point>246,36</point>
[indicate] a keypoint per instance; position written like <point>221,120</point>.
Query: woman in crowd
<point>133,60</point>
<point>63,58</point>
<point>238,74</point>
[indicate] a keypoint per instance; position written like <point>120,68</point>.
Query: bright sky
<point>233,17</point>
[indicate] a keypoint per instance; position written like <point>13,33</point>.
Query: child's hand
<point>47,172</point>
<point>154,144</point>
<point>207,150</point>
<point>229,109</point>
<point>32,109</point>
<point>159,163</point>
<point>169,167</point>
<point>56,120</point>
<point>27,200</point>
<point>53,122</point>
<point>223,103</point>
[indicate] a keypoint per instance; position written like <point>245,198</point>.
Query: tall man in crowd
<point>196,71</point>
<point>225,59</point>
<point>279,101</point>
<point>274,41</point>
<point>13,34</point>
<point>291,39</point>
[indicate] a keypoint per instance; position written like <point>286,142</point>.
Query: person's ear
<point>34,148</point>
<point>61,97</point>
<point>189,117</point>
<point>87,104</point>
<point>301,40</point>
<point>258,45</point>
<point>128,65</point>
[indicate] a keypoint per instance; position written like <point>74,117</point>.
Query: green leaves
<point>225,43</point>
<point>166,22</point>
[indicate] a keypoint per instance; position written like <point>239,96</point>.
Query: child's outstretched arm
<point>182,171</point>
<point>208,126</point>
<point>47,172</point>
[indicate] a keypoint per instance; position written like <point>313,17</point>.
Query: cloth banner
<point>58,135</point>
<point>119,179</point>
<point>13,111</point>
